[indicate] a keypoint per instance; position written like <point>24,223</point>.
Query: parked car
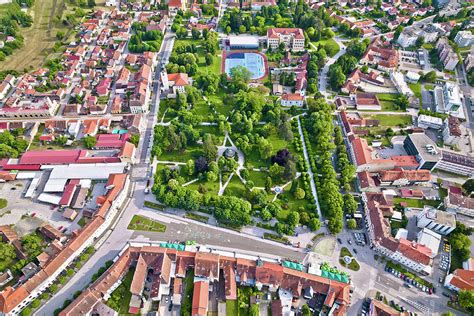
<point>430,291</point>
<point>355,250</point>
<point>407,285</point>
<point>339,240</point>
<point>446,294</point>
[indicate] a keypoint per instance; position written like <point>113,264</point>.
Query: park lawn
<point>276,141</point>
<point>192,152</point>
<point>146,224</point>
<point>121,295</point>
<point>236,188</point>
<point>231,307</point>
<point>418,203</point>
<point>253,160</point>
<point>218,101</point>
<point>210,187</point>
<point>389,120</point>
<point>258,177</point>
<point>416,88</point>
<point>331,43</point>
<point>214,68</point>
<point>202,109</point>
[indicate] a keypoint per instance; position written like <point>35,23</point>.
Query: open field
<point>330,46</point>
<point>390,120</point>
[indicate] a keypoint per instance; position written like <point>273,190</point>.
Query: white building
<point>430,239</point>
<point>448,99</point>
<point>464,39</point>
<point>446,54</point>
<point>292,38</point>
<point>426,121</point>
<point>407,38</point>
<point>438,221</point>
<point>174,83</point>
<point>292,99</point>
<point>399,82</point>
<point>452,131</point>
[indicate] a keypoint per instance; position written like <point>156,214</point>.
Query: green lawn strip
<point>275,237</point>
<point>387,101</point>
<point>390,120</point>
<point>197,217</point>
<point>3,203</point>
<point>354,265</point>
<point>120,298</point>
<point>411,275</point>
<point>82,222</point>
<point>146,224</point>
<point>231,307</point>
<point>419,203</point>
<point>187,300</point>
<point>155,206</point>
<point>218,101</point>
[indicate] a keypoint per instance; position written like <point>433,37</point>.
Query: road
<point>176,230</point>
<point>323,76</point>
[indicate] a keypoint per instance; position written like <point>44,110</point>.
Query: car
<point>386,269</point>
<point>349,241</point>
<point>440,280</point>
<point>434,290</point>
<point>407,285</point>
<point>446,294</point>
<point>430,291</point>
<point>339,240</point>
<point>402,308</point>
<point>355,250</point>
<point>167,299</point>
<point>146,289</point>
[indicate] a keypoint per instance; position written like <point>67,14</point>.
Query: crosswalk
<point>423,308</point>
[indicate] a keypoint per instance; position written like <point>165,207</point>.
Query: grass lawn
<point>215,67</point>
<point>258,178</point>
<point>210,187</point>
<point>187,300</point>
<point>417,202</point>
<point>330,46</point>
<point>120,297</point>
<point>416,88</point>
<point>189,153</point>
<point>231,307</point>
<point>236,188</point>
<point>218,100</point>
<point>354,265</point>
<point>3,203</point>
<point>387,101</point>
<point>146,224</point>
<point>388,120</point>
<point>82,222</point>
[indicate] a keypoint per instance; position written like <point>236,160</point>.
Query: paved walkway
<point>311,176</point>
<point>323,76</point>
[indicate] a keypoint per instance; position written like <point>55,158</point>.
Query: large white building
<point>446,54</point>
<point>448,99</point>
<point>292,38</point>
<point>438,221</point>
<point>464,39</point>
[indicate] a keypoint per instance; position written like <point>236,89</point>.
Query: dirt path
<point>37,43</point>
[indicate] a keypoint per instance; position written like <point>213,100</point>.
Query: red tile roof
<point>274,32</point>
<point>414,251</point>
<point>51,157</point>
<point>200,298</point>
<point>463,279</point>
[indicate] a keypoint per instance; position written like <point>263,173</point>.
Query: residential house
<point>292,99</point>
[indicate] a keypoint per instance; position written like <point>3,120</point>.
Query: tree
<point>429,76</point>
<point>268,184</point>
<point>265,215</point>
<point>293,219</point>
<point>232,211</point>
<point>135,139</point>
<point>299,194</point>
<point>468,187</point>
<point>350,204</point>
<point>209,148</point>
<point>209,58</point>
<point>195,34</point>
<point>419,41</point>
<point>290,170</point>
<point>7,254</point>
<point>89,141</point>
<point>190,167</point>
<point>402,102</point>
<point>32,244</point>
<point>314,224</point>
<point>466,299</point>
<point>254,310</point>
<point>336,76</point>
<point>240,74</point>
<point>276,171</point>
<point>305,311</point>
<point>351,223</point>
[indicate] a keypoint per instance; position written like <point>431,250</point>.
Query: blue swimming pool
<point>254,62</point>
